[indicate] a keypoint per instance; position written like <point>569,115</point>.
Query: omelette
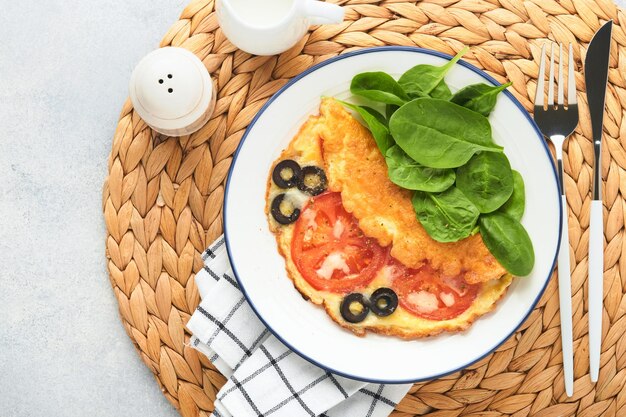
<point>353,244</point>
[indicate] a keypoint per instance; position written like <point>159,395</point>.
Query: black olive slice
<point>313,180</point>
<point>287,174</point>
<point>280,210</point>
<point>354,308</point>
<point>383,302</point>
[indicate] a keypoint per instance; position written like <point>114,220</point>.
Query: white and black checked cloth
<point>265,377</point>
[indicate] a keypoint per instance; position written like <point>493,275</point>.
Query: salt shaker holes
<point>170,76</point>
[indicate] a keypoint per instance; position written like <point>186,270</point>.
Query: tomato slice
<point>424,293</point>
<point>330,250</point>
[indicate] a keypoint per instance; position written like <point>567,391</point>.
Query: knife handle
<point>596,278</point>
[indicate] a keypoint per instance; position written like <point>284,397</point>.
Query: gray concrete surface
<point>64,69</point>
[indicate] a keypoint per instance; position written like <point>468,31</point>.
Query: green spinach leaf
<point>479,97</point>
<point>447,216</point>
<point>421,80</point>
<point>390,109</point>
<point>407,173</point>
<point>487,180</point>
<point>378,86</point>
<point>440,134</point>
<point>516,204</point>
<point>442,91</point>
<point>376,123</point>
<point>509,242</point>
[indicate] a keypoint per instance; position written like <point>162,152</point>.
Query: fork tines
<point>571,81</point>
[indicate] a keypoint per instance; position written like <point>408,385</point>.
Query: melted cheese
<point>424,301</point>
<point>447,298</point>
<point>297,197</point>
<point>309,217</point>
<point>333,262</point>
<point>338,229</point>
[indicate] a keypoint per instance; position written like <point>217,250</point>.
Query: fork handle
<point>565,296</point>
<point>559,163</point>
<point>596,278</point>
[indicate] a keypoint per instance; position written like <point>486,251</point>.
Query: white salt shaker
<point>172,91</point>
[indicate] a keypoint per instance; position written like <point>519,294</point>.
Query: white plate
<point>306,328</point>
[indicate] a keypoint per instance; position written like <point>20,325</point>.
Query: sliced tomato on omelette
<point>427,294</point>
<point>330,250</point>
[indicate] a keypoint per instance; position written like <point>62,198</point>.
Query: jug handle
<point>321,13</point>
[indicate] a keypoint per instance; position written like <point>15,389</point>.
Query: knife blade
<point>596,77</point>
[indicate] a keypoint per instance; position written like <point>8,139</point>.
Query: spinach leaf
<point>515,206</point>
<point>487,180</point>
<point>440,134</point>
<point>442,91</point>
<point>390,109</point>
<point>407,173</point>
<point>378,86</point>
<point>422,79</point>
<point>479,97</point>
<point>509,242</point>
<point>376,123</point>
<point>447,216</point>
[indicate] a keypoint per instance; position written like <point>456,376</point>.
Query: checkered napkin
<point>265,378</point>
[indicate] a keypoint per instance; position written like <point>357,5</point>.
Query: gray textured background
<point>64,69</point>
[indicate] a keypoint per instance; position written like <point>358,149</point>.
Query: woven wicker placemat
<point>162,200</point>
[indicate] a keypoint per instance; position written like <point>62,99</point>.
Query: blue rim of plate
<point>314,68</point>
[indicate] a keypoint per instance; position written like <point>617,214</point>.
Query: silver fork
<point>557,122</point>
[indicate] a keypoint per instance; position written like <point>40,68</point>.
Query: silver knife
<point>596,77</point>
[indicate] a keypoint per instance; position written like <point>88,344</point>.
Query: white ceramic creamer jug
<point>268,27</point>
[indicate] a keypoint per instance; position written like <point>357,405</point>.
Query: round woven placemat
<point>162,200</point>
